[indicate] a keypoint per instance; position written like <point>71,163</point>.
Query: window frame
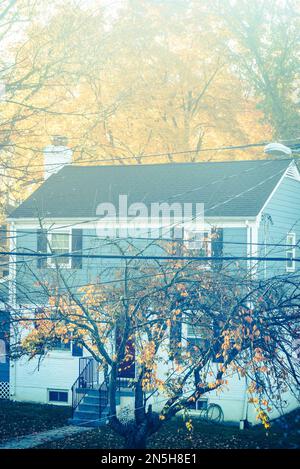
<point>59,391</point>
<point>290,249</point>
<point>188,241</point>
<point>51,261</point>
<point>187,334</point>
<point>197,408</point>
<point>4,244</point>
<point>4,355</point>
<point>66,347</point>
<point>206,265</point>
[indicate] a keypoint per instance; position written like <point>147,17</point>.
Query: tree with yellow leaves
<point>149,79</point>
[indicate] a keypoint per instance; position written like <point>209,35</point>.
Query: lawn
<point>283,434</point>
<point>22,418</point>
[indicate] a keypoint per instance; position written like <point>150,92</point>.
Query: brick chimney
<point>56,155</point>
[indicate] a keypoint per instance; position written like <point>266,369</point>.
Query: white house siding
<point>231,398</point>
<point>284,210</point>
<point>31,379</point>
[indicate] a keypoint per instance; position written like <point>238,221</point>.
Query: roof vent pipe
<point>277,149</point>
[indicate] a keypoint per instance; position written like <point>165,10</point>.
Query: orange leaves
<point>189,425</point>
<point>147,354</point>
<point>263,417</point>
<point>258,355</point>
<point>253,400</point>
<point>248,319</point>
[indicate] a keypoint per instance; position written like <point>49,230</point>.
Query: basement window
<point>55,395</point>
<point>199,404</point>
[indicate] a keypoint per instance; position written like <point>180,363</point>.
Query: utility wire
<point>119,158</point>
<point>164,239</point>
<point>147,257</point>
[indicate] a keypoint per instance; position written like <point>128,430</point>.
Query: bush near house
<point>23,418</point>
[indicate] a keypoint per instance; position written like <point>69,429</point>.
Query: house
<point>254,203</point>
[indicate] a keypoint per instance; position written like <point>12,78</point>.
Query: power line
<point>210,208</point>
<point>148,257</point>
<point>120,158</point>
<point>171,240</point>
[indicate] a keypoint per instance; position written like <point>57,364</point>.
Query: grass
<point>19,419</point>
<point>283,434</point>
<point>23,418</point>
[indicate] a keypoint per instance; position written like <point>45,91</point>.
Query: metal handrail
<point>87,379</point>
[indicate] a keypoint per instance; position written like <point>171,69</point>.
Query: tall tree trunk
<point>112,390</point>
<point>139,411</point>
<point>136,437</point>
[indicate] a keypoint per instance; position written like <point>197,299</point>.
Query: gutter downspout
<point>252,250</point>
<point>12,305</point>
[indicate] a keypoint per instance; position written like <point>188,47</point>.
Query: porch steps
<point>90,399</point>
<point>92,410</point>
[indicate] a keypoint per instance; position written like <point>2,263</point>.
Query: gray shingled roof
<point>231,189</point>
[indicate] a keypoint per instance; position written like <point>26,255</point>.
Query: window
<point>196,345</point>
<point>194,330</point>
<point>4,246</point>
<point>2,351</point>
<point>290,252</point>
<point>60,244</point>
<point>199,404</point>
<point>77,350</point>
<point>175,338</point>
<point>200,337</point>
<point>55,395</point>
<point>198,241</point>
<point>196,340</point>
<point>59,344</point>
